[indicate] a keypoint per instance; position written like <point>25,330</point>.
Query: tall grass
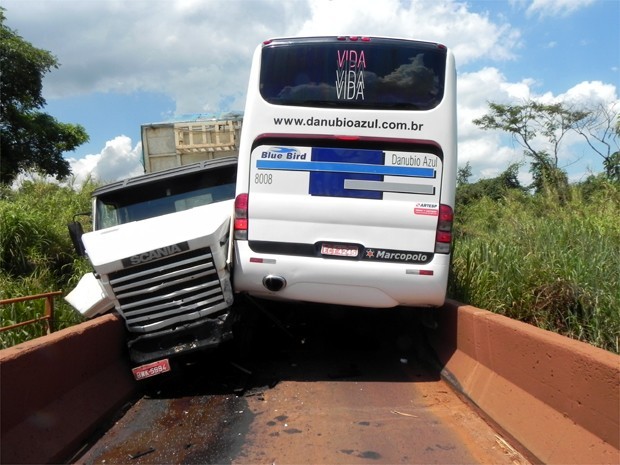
<point>36,254</point>
<point>554,266</point>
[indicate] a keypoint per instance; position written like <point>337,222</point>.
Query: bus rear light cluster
<point>241,217</point>
<point>354,38</point>
<point>444,229</point>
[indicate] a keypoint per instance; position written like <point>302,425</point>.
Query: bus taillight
<point>354,38</point>
<point>444,229</point>
<point>241,217</point>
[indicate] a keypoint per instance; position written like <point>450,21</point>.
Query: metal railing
<point>48,316</point>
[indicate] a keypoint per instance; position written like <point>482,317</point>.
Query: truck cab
<point>159,249</point>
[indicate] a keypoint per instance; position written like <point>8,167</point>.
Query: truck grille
<point>178,288</point>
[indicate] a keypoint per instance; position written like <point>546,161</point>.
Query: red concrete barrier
<point>57,389</point>
<point>559,398</point>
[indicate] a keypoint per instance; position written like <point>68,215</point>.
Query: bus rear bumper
<point>339,281</point>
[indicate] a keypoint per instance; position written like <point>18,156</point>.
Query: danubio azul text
<point>350,123</point>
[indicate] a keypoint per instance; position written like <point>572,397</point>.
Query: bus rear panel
<point>346,173</point>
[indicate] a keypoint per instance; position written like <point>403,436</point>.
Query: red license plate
<point>338,250</point>
<point>151,369</point>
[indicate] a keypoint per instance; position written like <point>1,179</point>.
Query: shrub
<point>556,266</point>
<point>36,253</point>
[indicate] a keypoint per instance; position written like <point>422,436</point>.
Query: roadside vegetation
<point>529,257</point>
<point>36,254</point>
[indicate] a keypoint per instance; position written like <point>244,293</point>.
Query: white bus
<point>347,172</point>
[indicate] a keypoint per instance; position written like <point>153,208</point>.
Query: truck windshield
<point>161,197</point>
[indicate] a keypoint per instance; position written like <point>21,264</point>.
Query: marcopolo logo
<point>283,153</point>
<point>156,254</point>
<point>402,256</point>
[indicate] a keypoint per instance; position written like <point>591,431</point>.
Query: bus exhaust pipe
<point>274,283</point>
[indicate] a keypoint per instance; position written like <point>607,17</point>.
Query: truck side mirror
<point>75,232</point>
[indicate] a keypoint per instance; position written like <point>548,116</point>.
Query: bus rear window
<point>378,74</point>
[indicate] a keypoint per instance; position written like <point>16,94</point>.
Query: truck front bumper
<point>206,333</point>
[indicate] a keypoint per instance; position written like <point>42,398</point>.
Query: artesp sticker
<point>426,209</point>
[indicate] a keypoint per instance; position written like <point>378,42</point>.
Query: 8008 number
<point>263,178</point>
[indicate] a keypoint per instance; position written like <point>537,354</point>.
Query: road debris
<point>137,455</point>
<point>396,412</point>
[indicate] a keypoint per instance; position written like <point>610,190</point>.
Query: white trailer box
<point>190,139</point>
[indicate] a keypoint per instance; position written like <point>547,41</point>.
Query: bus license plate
<point>151,369</point>
<point>337,250</point>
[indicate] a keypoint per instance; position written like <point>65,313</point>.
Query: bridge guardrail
<point>48,314</point>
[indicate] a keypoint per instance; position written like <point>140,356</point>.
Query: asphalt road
<point>314,385</point>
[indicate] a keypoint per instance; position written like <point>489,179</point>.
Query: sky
<point>125,63</point>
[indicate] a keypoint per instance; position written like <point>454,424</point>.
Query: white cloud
<point>197,52</point>
<point>590,92</point>
<point>118,160</point>
<point>470,35</point>
<point>557,7</point>
<point>82,168</point>
<point>477,89</point>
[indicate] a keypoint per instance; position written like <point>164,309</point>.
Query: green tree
<point>612,167</point>
<point>529,122</point>
<point>29,138</point>
<point>548,178</point>
<point>492,188</point>
<point>463,174</point>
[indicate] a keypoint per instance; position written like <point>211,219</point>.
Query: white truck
<point>159,249</point>
<point>189,139</point>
